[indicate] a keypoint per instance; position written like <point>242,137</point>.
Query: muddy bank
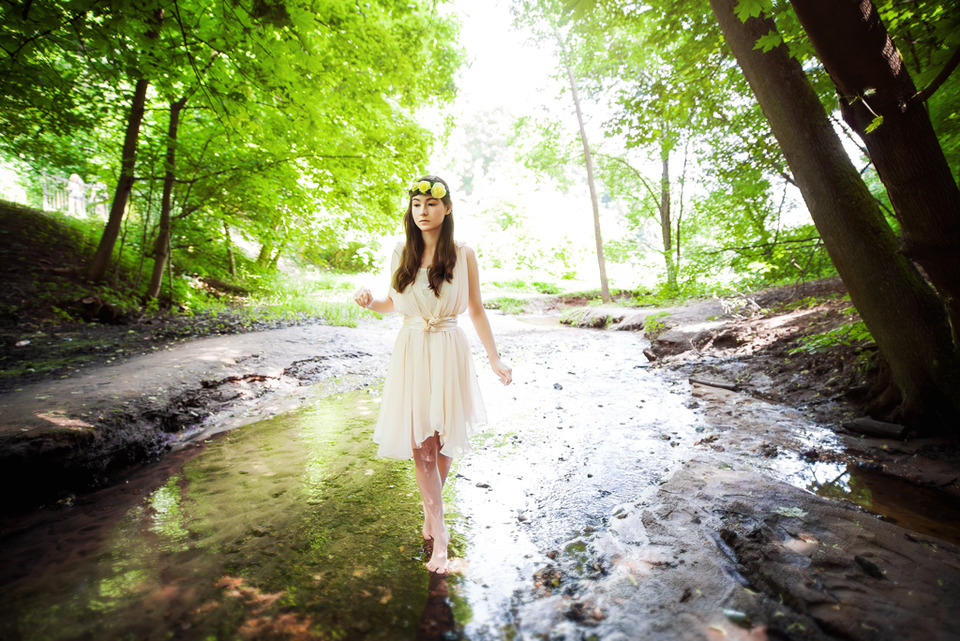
<point>59,437</point>
<point>730,554</point>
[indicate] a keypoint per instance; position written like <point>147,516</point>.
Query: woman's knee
<point>427,453</point>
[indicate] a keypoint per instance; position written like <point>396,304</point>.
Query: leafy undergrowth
<point>53,322</point>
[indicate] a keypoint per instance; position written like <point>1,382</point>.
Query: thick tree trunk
<point>588,159</point>
<point>902,312</point>
<point>100,262</point>
<point>873,83</point>
<point>665,222</point>
<point>161,245</point>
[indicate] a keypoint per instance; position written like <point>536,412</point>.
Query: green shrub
<point>546,288</point>
<point>517,285</point>
<point>506,304</point>
<point>851,333</point>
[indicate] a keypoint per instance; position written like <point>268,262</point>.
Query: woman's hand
<point>504,373</point>
<point>363,297</point>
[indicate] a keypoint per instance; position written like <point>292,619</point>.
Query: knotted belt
<point>431,325</point>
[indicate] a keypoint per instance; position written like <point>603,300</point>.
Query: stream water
<point>291,528</point>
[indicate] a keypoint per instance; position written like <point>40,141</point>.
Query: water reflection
<point>899,501</point>
<point>437,622</point>
<point>289,528</point>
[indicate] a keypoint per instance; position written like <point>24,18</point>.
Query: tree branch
<point>924,94</point>
<point>763,245</point>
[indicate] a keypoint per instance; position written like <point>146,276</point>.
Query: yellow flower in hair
<point>438,190</point>
<point>424,186</point>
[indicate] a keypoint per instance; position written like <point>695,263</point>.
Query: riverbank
<point>59,437</point>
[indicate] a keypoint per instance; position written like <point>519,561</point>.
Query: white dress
<point>431,383</point>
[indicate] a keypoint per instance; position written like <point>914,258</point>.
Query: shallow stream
<point>291,528</point>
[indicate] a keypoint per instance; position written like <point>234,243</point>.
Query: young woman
<point>431,400</point>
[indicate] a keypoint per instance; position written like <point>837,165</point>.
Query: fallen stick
<point>732,387</point>
<point>873,427</point>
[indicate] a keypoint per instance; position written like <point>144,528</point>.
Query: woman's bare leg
<point>443,466</point>
<point>427,463</point>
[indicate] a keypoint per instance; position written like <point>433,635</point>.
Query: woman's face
<point>428,212</point>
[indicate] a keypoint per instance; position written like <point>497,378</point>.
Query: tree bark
<point>266,251</point>
<point>665,222</point>
<point>100,262</point>
<point>873,83</point>
<point>228,242</point>
<point>161,245</point>
<point>588,159</point>
<point>901,311</point>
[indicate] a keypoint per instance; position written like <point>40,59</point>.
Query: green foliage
<point>653,324</point>
<point>545,288</point>
<point>506,304</point>
<point>295,117</point>
<point>852,333</point>
<point>770,41</point>
<point>516,284</point>
<point>201,285</point>
<point>747,9</point>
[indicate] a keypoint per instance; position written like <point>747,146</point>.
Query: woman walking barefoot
<point>431,400</point>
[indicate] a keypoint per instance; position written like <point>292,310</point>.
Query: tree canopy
<point>294,116</point>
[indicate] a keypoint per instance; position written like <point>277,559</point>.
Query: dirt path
<point>609,502</point>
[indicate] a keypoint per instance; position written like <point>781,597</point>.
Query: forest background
<point>250,157</point>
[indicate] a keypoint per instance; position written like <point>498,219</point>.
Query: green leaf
<point>771,40</point>
<point>873,126</point>
<point>746,9</point>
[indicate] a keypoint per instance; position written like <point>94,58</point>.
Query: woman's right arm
<point>365,299</point>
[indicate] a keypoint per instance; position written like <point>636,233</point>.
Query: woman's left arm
<point>480,321</point>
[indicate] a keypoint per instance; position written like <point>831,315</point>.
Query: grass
<point>506,304</point>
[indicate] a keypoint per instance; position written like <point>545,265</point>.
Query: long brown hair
<point>445,256</point>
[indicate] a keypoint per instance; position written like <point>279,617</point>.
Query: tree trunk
<point>275,261</point>
<point>100,262</point>
<point>873,83</point>
<point>588,159</point>
<point>665,223</point>
<point>102,257</point>
<point>231,260</point>
<point>266,251</point>
<point>901,311</point>
<point>162,243</point>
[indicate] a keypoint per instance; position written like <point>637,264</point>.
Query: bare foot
<point>438,560</point>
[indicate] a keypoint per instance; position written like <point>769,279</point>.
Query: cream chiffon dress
<point>431,384</point>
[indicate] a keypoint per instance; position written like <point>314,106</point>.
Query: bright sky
<point>504,70</point>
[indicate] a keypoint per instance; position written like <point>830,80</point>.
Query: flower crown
<point>435,189</point>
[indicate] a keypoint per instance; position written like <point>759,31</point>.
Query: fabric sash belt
<point>430,325</point>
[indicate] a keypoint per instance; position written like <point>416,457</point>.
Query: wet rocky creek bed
<point>604,500</point>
